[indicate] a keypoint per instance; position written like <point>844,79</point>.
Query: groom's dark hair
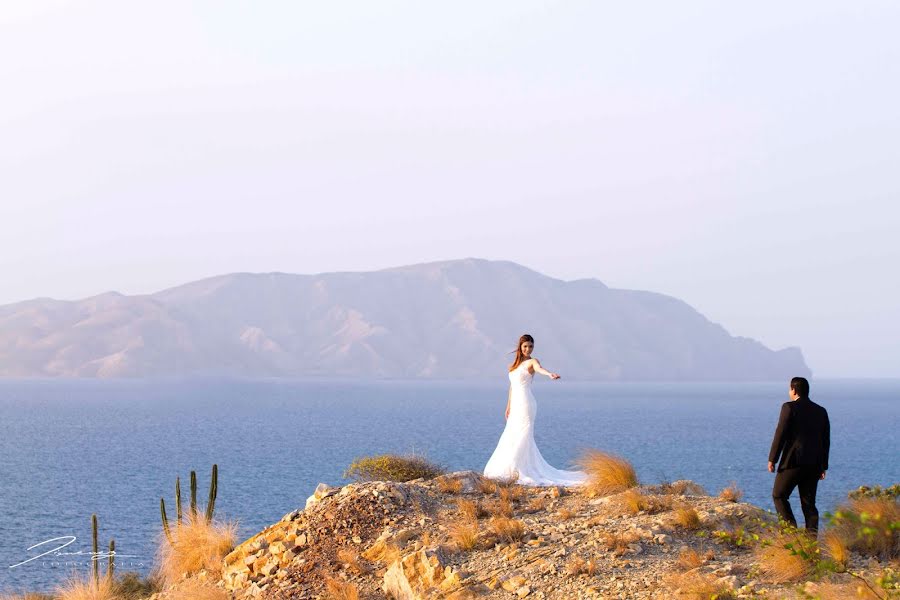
<point>800,386</point>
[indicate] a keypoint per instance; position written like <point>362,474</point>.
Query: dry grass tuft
<point>732,493</point>
<point>607,473</point>
<point>470,509</point>
<point>449,485</point>
<point>685,517</point>
<point>506,529</point>
<point>565,514</point>
<point>335,589</point>
<point>779,562</point>
<point>77,588</point>
<point>619,542</point>
<point>500,508</point>
<point>694,585</point>
<point>633,502</point>
<point>384,551</point>
<point>28,596</point>
<point>537,504</point>
<point>836,548</point>
<point>512,493</point>
<point>689,559</point>
<point>843,591</point>
<point>196,545</point>
<point>191,589</point>
<point>578,566</point>
<point>485,486</point>
<point>682,487</point>
<point>870,525</point>
<point>350,559</point>
<point>464,534</point>
<point>392,467</point>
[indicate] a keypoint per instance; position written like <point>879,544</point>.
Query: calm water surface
<point>72,448</point>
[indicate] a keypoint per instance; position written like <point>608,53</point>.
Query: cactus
<point>95,568</point>
<point>193,493</point>
<point>213,490</point>
<point>210,504</point>
<point>111,566</point>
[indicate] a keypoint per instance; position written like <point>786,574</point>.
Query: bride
<point>516,455</point>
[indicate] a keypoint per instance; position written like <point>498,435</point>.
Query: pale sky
<point>744,157</point>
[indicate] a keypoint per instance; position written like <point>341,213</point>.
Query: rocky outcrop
<point>461,537</point>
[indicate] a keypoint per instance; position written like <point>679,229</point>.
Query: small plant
<point>689,559</point>
<point>619,542</point>
<point>686,517</point>
<point>731,494</point>
<point>789,556</point>
<point>694,585</point>
<point>565,514</point>
<point>537,504</point>
<point>870,525</point>
<point>464,534</point>
<point>877,491</point>
<point>500,508</point>
<point>633,502</point>
<point>470,509</point>
<point>836,549</point>
<point>607,473</point>
<point>335,589</point>
<point>682,487</point>
<point>506,529</point>
<point>392,467</point>
<point>579,566</point>
<point>449,485</point>
<point>350,559</point>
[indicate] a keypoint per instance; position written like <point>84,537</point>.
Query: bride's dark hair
<point>518,351</point>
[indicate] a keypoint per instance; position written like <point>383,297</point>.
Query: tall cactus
<point>213,490</point>
<point>210,504</point>
<point>111,565</point>
<point>95,567</point>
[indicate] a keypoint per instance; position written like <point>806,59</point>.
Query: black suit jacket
<point>803,436</point>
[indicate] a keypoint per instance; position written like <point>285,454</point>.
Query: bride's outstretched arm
<point>543,371</point>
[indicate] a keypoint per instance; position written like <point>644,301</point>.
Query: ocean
<point>70,448</point>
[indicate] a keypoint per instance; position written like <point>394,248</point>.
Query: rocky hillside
<point>455,319</point>
<point>459,536</point>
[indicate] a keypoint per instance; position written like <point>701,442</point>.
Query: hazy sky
<point>744,157</point>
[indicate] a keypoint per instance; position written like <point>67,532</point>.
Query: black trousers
<point>807,479</point>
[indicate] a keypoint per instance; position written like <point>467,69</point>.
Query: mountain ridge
<point>442,319</point>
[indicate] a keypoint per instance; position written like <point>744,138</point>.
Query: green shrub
<point>392,467</point>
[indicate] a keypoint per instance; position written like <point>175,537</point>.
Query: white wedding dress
<point>516,452</point>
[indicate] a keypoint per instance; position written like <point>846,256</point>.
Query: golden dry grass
<point>537,504</point>
<point>689,559</point>
<point>732,493</point>
<point>449,485</point>
<point>513,493</point>
<point>28,596</point>
<point>694,585</point>
<point>485,486</point>
<point>682,487</point>
<point>76,587</point>
<point>836,548</point>
<point>191,589</point>
<point>632,502</point>
<point>871,526</point>
<point>470,509</point>
<point>779,563</point>
<point>335,589</point>
<point>618,542</point>
<point>195,545</point>
<point>506,529</point>
<point>685,517</point>
<point>463,534</point>
<point>350,559</point>
<point>384,551</point>
<point>564,514</point>
<point>607,473</point>
<point>500,508</point>
<point>579,566</point>
<point>844,591</point>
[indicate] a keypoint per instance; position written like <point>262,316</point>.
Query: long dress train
<point>516,452</point>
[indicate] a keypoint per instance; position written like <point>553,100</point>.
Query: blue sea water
<point>72,448</point>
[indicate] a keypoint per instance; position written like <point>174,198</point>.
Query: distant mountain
<point>454,319</point>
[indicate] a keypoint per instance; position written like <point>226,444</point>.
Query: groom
<point>802,439</point>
